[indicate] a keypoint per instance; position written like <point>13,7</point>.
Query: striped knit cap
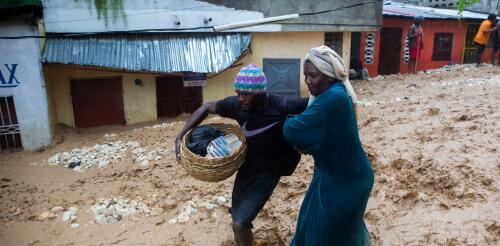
<point>251,79</point>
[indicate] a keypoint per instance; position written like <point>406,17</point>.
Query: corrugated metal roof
<point>156,52</point>
<point>408,10</point>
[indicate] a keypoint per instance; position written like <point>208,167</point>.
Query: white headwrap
<point>331,64</point>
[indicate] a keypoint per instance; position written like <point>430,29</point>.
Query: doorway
<point>97,102</point>
<point>173,98</point>
<point>390,50</point>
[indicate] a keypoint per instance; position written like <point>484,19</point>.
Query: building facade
<point>146,53</point>
<point>24,115</point>
<point>447,40</point>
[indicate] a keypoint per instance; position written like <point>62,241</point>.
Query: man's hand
<point>178,149</point>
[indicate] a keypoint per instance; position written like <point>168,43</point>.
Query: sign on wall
<point>8,76</point>
<point>194,79</point>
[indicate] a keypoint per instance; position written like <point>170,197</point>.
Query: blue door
<point>283,76</point>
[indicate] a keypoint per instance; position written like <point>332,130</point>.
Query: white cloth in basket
<point>223,146</point>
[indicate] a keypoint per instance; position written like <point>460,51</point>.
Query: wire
<point>179,29</point>
<point>341,8</point>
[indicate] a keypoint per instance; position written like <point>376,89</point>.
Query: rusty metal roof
<point>153,52</point>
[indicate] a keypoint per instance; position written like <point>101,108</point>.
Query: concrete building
<point>136,58</point>
<point>24,116</point>
<point>448,39</point>
<point>484,6</point>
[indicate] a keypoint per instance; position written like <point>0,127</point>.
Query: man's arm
<point>494,29</point>
<point>296,106</point>
<point>198,116</point>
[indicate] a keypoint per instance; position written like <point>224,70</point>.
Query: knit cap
<point>251,79</point>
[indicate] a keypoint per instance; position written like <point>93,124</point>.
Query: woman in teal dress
<point>335,202</point>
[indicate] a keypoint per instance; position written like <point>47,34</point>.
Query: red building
<point>448,39</point>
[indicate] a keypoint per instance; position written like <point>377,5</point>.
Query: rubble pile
<point>194,205</point>
<point>68,215</point>
<point>453,68</point>
<point>112,210</point>
<point>162,125</point>
<point>99,155</point>
<point>469,82</point>
<point>143,156</point>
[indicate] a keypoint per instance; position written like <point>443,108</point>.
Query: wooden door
<point>390,50</point>
<point>173,98</point>
<point>97,102</point>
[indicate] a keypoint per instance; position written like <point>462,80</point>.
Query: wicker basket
<point>216,169</point>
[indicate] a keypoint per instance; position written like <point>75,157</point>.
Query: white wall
<point>30,97</point>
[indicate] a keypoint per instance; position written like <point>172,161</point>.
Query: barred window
<point>443,45</point>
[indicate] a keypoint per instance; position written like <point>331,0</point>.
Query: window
<point>443,44</point>
<point>10,136</point>
<point>334,41</point>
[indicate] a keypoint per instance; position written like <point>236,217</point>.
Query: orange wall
<point>430,27</point>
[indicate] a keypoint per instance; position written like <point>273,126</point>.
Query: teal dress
<point>335,202</point>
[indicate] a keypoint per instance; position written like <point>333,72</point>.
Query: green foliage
<point>463,3</point>
<point>107,9</point>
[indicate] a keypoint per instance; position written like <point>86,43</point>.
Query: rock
<point>170,203</point>
<point>74,164</point>
<point>144,163</point>
<point>156,211</point>
<point>70,214</point>
<point>57,209</point>
<point>221,200</point>
<point>15,211</point>
<point>209,205</point>
<point>103,163</point>
<point>160,221</point>
<point>66,216</point>
<point>172,221</point>
<point>75,225</point>
<point>47,216</point>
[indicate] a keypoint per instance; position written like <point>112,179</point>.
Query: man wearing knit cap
<point>261,117</point>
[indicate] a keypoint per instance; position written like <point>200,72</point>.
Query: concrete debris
<point>70,214</point>
<point>143,156</point>
<point>454,68</point>
<point>112,210</point>
<point>57,209</point>
<point>378,77</point>
<point>162,125</point>
<point>99,155</point>
<point>469,82</point>
<point>192,207</point>
<point>364,102</point>
<point>47,216</point>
